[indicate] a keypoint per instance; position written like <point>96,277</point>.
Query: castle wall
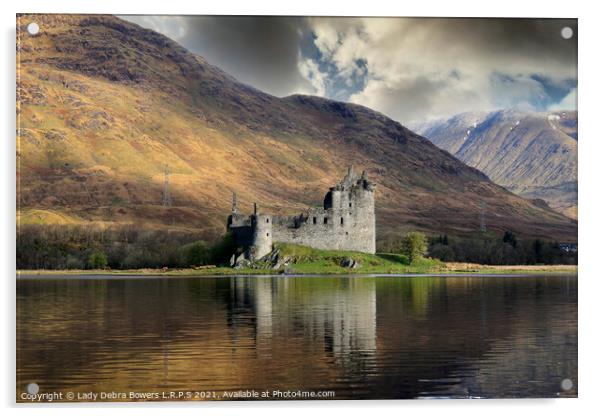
<point>240,226</point>
<point>338,228</point>
<point>347,222</point>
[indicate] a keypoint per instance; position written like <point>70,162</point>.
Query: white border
<point>590,232</point>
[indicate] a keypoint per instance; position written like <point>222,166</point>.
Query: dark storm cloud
<point>512,37</point>
<point>260,51</point>
<point>409,68</point>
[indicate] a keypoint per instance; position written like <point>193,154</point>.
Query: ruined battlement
<point>345,222</point>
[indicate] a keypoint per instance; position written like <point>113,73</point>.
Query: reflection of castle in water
<point>341,313</point>
<point>452,336</point>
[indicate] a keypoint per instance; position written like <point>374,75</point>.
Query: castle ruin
<point>345,222</point>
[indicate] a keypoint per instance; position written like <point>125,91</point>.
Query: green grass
<point>307,260</point>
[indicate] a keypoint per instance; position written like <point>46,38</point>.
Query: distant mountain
<point>107,107</point>
<point>533,154</point>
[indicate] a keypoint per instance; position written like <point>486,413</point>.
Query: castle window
<point>267,234</point>
<point>350,205</point>
<point>267,220</point>
<point>341,220</point>
<point>325,220</point>
<point>315,220</point>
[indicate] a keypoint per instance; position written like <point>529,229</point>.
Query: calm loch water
<point>359,337</point>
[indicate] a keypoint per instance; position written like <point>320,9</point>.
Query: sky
<point>411,69</point>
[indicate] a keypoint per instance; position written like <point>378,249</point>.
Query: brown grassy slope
<point>105,105</point>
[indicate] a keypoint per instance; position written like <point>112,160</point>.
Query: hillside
<point>531,154</point>
<point>106,105</point>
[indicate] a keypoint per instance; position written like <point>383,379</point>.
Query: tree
<point>509,238</point>
<point>197,254</point>
<point>74,263</point>
<point>442,252</point>
<point>97,260</point>
<point>222,250</point>
<point>414,246</point>
<point>442,239</point>
<point>538,250</point>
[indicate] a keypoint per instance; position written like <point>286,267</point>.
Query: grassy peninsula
<point>303,260</point>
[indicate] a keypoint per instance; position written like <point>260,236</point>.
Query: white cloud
<point>429,68</point>
<point>310,71</point>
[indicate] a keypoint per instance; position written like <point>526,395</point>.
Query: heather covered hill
<point>532,154</point>
<point>106,105</point>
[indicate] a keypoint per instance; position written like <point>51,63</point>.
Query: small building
<point>345,222</point>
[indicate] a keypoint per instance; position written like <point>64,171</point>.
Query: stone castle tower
<point>345,222</point>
